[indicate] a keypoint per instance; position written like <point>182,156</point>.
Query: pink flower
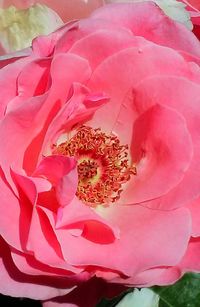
<point>100,158</point>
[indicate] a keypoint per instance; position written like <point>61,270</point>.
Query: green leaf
<point>185,293</point>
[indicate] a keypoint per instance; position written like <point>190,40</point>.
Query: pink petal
<point>8,75</point>
<point>80,106</point>
<point>76,215</point>
<point>156,276</point>
<point>26,185</point>
<point>194,208</point>
<point>144,228</point>
<point>58,94</point>
<point>190,262</point>
<point>176,93</point>
<point>46,249</point>
<point>62,80</point>
<point>27,264</point>
<point>17,284</point>
<point>42,185</point>
<point>156,152</point>
<point>9,217</point>
<point>34,78</point>
<point>70,34</point>
<point>147,20</point>
<point>18,126</point>
<point>142,62</point>
<point>194,3</point>
<point>44,45</point>
<point>105,41</point>
<point>54,168</point>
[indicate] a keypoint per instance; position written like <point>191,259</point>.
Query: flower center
<point>103,165</point>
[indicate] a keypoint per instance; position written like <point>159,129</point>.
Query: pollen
<point>103,165</point>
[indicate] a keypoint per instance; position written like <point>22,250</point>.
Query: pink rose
<point>100,158</point>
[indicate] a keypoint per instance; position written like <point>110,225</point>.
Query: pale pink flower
<point>100,158</point>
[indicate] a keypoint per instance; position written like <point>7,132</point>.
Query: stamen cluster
<point>103,165</point>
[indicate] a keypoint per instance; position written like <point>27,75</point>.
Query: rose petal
<point>117,82</point>
<point>176,93</point>
<point>194,208</point>
<point>76,215</point>
<point>135,222</point>
<point>9,217</point>
<point>190,261</point>
<point>147,20</point>
<point>17,284</point>
<point>156,152</point>
<point>80,106</point>
<point>54,168</point>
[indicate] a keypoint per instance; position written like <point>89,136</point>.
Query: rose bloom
<point>100,158</point>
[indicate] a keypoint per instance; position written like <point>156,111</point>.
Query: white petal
<point>19,27</point>
<point>140,298</point>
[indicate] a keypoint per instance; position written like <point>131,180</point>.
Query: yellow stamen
<point>103,165</point>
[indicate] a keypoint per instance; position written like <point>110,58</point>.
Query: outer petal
<point>144,228</point>
<point>9,217</point>
<point>19,216</point>
<point>18,124</point>
<point>27,264</point>
<point>190,262</point>
<point>177,93</point>
<point>156,152</point>
<point>155,276</point>
<point>8,75</point>
<point>141,62</point>
<point>147,20</point>
<point>194,208</point>
<point>15,283</point>
<point>106,41</point>
<point>46,249</point>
